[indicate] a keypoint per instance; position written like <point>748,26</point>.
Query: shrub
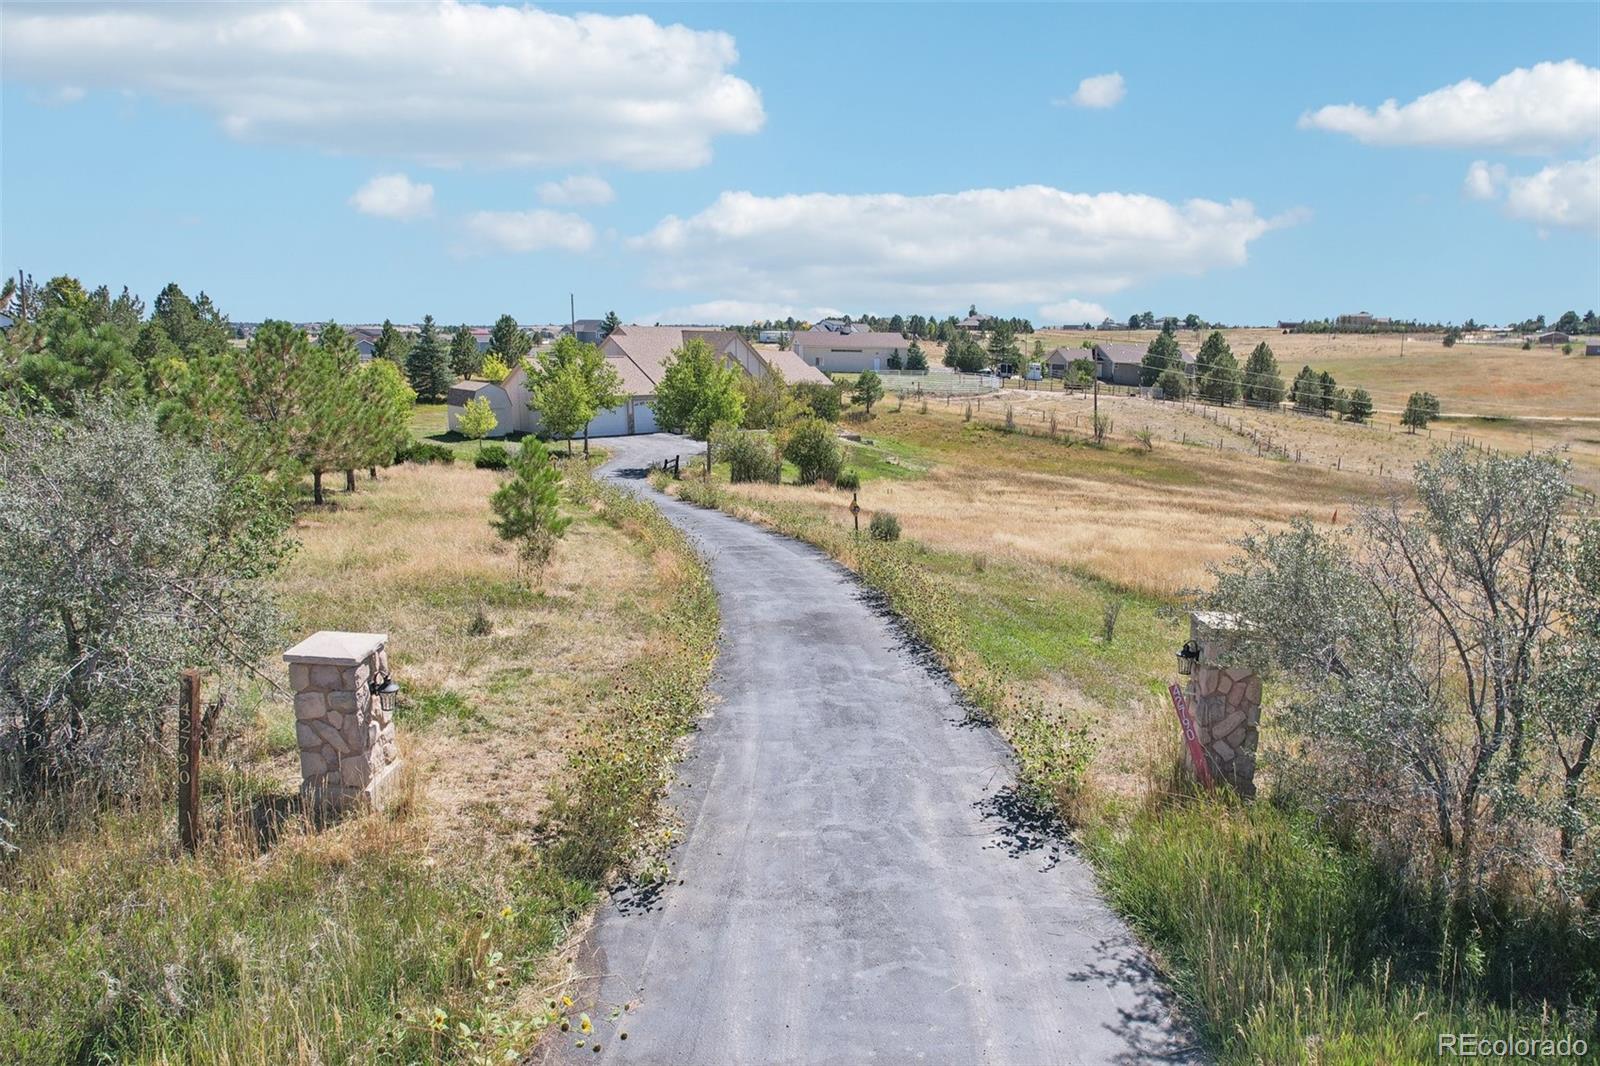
<point>1566,349</point>
<point>749,455</point>
<point>812,448</point>
<point>825,401</point>
<point>492,457</point>
<point>884,526</point>
<point>848,480</point>
<point>424,451</point>
<point>126,555</point>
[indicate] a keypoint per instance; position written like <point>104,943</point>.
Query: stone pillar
<point>1226,703</point>
<point>347,741</point>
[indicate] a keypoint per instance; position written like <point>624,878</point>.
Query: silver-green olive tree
<point>1440,661</point>
<point>126,556</point>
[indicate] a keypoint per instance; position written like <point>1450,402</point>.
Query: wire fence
<point>938,383</point>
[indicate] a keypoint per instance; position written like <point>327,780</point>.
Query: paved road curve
<point>858,884</point>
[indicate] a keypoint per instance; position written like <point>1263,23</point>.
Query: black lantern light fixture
<point>385,688</point>
<point>1188,655</point>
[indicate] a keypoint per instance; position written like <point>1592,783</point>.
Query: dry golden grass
<point>1149,522</point>
<point>1469,379</point>
<point>413,556</point>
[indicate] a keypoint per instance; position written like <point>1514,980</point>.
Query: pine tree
<point>609,323</point>
<point>1360,406</point>
<point>1262,382</point>
<point>507,341</point>
<point>1217,371</point>
<point>391,345</point>
<point>916,358</point>
<point>527,507</point>
<point>896,362</point>
<point>426,367</point>
<point>465,357</point>
<point>1163,354</point>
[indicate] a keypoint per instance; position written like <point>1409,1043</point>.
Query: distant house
<point>1361,320</point>
<point>773,336</point>
<point>1119,364</point>
<point>639,354</point>
<point>586,330</point>
<point>975,323</point>
<point>847,351</point>
<point>1553,337</point>
<point>1057,362</point>
<point>1289,326</point>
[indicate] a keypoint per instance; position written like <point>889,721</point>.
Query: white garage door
<point>612,423</point>
<point>644,419</point>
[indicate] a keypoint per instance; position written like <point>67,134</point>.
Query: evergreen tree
<point>527,507</point>
<point>895,360</point>
<point>1360,406</point>
<point>1326,395</point>
<point>391,345</point>
<point>507,341</point>
<point>1306,393</point>
<point>1263,383</point>
<point>427,369</point>
<point>916,358</point>
<point>1003,346</point>
<point>1421,408</point>
<point>608,324</point>
<point>465,357</point>
<point>1217,371</point>
<point>869,389</point>
<point>1163,354</point>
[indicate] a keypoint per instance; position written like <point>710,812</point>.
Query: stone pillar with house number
<point>1225,701</point>
<point>343,710</point>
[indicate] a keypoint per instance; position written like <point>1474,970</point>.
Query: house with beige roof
<point>639,354</point>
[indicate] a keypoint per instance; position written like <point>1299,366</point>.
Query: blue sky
<point>768,159</point>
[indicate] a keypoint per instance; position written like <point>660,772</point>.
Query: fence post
<point>189,760</point>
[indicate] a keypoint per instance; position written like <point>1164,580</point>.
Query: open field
<point>1149,522</point>
<point>1477,379</point>
<point>428,932</point>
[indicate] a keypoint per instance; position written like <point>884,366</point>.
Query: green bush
<point>424,451</point>
<point>812,448</point>
<point>492,457</point>
<point>884,526</point>
<point>749,455</point>
<point>825,401</point>
<point>848,480</point>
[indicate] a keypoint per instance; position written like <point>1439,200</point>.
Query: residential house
<point>639,355</point>
<point>1057,362</point>
<point>1553,337</point>
<point>1361,320</point>
<point>586,330</point>
<point>848,351</point>
<point>773,336</point>
<point>975,323</point>
<point>1119,364</point>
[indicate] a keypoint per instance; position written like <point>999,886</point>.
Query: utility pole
<point>572,315</point>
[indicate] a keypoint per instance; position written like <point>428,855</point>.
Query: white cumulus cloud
<point>442,82</point>
<point>1562,195</point>
<point>1565,195</point>
<point>1530,109</point>
<point>394,196</point>
<point>1099,91</point>
<point>1484,180</point>
<point>1003,248</point>
<point>577,190</point>
<point>528,231</point>
<point>1074,312</point>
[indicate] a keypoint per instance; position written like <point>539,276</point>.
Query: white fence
<point>937,383</point>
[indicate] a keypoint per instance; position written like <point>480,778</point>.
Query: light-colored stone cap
<point>333,648</point>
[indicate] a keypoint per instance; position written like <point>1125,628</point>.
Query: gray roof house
<point>849,351</point>
<point>586,330</point>
<point>1119,363</point>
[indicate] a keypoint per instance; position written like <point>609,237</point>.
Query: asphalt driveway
<point>859,882</point>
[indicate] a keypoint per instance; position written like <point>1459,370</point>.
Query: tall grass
<point>348,943</point>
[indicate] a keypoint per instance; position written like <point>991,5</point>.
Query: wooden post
<point>189,760</point>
